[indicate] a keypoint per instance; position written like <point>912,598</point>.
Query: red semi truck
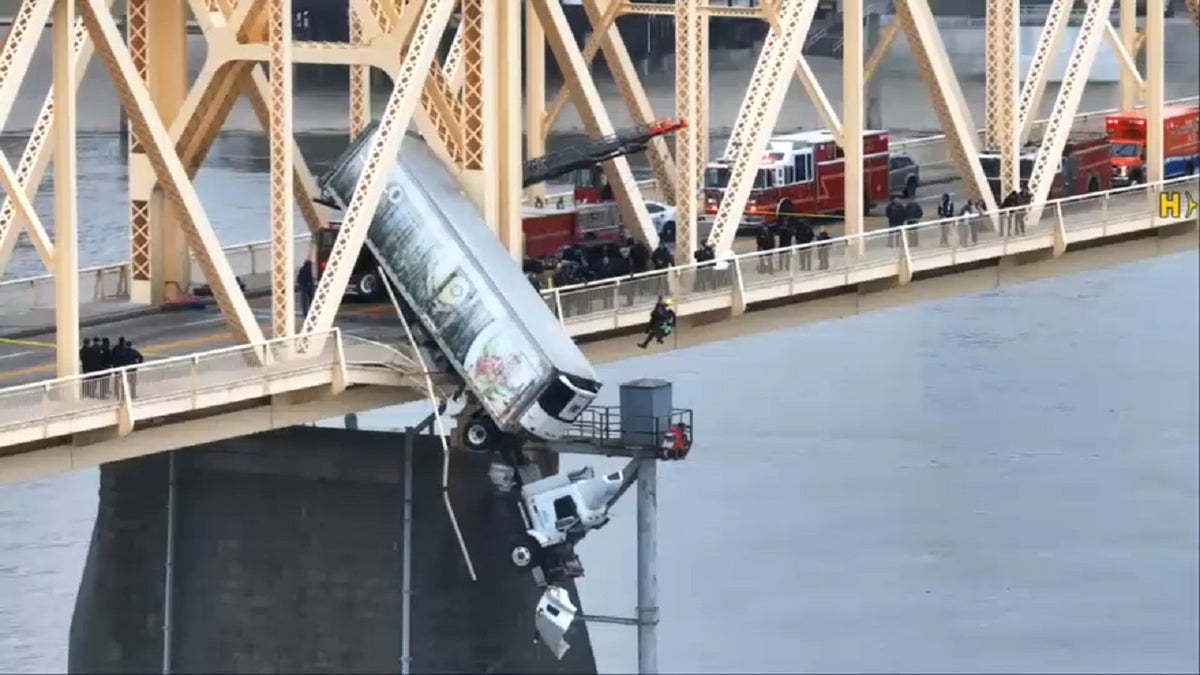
<point>1181,143</point>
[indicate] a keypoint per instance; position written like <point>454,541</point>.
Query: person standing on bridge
<point>765,242</point>
<point>895,218</point>
<point>823,246</point>
<point>787,237</point>
<point>131,358</point>
<point>1024,199</point>
<point>1008,218</point>
<point>945,212</point>
<point>308,286</point>
<point>805,238</point>
<point>913,213</point>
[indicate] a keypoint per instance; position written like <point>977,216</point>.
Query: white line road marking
<point>15,355</point>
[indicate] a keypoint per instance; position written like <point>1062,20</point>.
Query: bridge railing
<point>252,260</point>
<point>190,382</point>
<point>842,261</point>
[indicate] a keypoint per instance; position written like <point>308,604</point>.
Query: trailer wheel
<point>480,433</point>
<point>1093,184</point>
<point>910,187</point>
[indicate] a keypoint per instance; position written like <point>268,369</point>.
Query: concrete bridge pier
<point>286,552</point>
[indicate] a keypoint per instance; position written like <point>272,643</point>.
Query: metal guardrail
<point>120,396</point>
<point>252,260</point>
<point>750,277</point>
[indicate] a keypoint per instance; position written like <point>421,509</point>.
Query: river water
<point>1004,482</point>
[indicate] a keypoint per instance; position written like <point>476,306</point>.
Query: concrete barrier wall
<point>289,557</point>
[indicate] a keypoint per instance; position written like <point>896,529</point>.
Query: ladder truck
<point>548,228</point>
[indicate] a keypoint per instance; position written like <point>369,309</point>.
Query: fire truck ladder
<point>583,155</point>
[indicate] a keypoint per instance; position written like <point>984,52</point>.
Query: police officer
<point>895,214</point>
<point>765,242</point>
<point>945,212</point>
<point>913,213</point>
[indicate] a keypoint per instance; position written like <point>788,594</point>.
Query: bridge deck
<point>184,387</point>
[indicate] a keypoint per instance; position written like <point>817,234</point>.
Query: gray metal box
<point>645,411</point>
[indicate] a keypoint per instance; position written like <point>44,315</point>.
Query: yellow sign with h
<point>1176,205</point>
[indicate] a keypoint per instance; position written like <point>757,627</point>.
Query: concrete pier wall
<point>289,557</point>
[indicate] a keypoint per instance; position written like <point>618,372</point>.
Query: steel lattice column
<point>360,81</point>
<point>535,92</point>
<point>480,107</point>
<point>507,125</point>
<point>687,140</point>
<point>853,114</point>
<point>279,131</point>
<point>1130,89</point>
<point>1003,88</point>
<point>66,236</point>
<point>141,289</point>
<point>1155,90</point>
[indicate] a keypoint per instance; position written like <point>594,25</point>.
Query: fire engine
<point>802,174</point>
<point>549,228</point>
<point>1181,144</point>
<point>1084,167</point>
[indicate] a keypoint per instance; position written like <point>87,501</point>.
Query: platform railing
<point>252,260</point>
<point>843,261</point>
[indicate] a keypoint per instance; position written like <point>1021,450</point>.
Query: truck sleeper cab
<point>524,374</point>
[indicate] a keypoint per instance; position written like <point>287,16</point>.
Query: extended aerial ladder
<point>584,155</point>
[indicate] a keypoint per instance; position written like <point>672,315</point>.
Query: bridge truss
<point>468,105</point>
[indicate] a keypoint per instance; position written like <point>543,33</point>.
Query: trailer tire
<point>1093,184</point>
<point>480,433</point>
<point>910,187</point>
<point>668,231</point>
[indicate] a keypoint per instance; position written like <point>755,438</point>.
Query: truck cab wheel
<point>480,434</point>
<point>910,188</point>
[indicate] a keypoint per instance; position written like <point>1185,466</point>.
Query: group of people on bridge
<point>97,355</point>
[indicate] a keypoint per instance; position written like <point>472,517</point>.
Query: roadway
<point>31,357</point>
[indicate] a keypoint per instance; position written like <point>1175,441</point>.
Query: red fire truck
<point>548,228</point>
<point>1181,143</point>
<point>802,174</point>
<point>1083,168</point>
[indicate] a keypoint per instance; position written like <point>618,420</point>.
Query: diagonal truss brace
<point>212,98</point>
<point>759,113</point>
<point>406,90</point>
<point>808,79</point>
<point>921,32</point>
<point>38,149</point>
<point>595,117</point>
<point>143,117</point>
<point>602,15</point>
<point>15,56</point>
<point>1128,62</point>
<point>1057,20</point>
<point>1058,125</point>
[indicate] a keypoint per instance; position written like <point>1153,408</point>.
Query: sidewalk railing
<point>750,277</point>
<point>118,397</point>
<point>252,260</point>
